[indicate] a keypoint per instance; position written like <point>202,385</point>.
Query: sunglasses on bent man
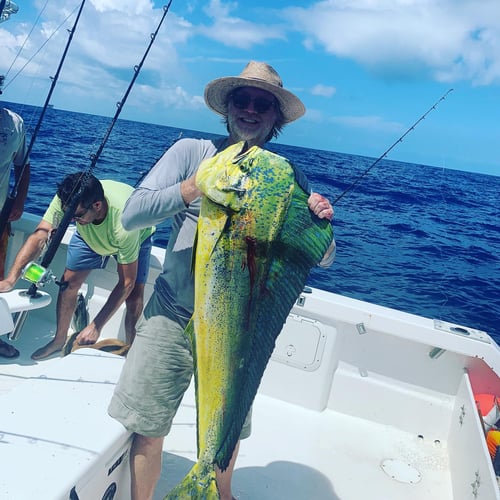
<point>81,215</point>
<point>242,100</point>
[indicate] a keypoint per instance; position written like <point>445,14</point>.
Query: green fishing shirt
<point>109,237</point>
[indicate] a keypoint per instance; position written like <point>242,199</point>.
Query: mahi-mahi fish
<point>256,243</point>
<point>80,317</point>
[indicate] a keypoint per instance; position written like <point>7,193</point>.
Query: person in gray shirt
<point>159,366</point>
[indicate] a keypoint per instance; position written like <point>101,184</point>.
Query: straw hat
<point>255,74</point>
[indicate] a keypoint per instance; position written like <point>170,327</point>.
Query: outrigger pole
<point>9,202</point>
<point>383,155</point>
<point>39,271</point>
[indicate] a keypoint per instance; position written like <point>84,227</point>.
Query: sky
<point>366,70</point>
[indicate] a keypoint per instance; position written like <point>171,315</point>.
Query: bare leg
<point>134,303</point>
<point>224,478</point>
<point>66,303</point>
<point>145,466</point>
<point>4,241</point>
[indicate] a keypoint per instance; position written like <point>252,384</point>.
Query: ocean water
<point>421,239</point>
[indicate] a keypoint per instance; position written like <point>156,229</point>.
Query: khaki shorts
<point>155,376</point>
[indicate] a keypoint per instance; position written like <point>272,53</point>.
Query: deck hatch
<point>400,471</point>
<point>300,344</point>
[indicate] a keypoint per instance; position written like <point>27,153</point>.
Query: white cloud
<point>370,123</point>
<point>314,115</point>
<point>234,31</point>
<point>173,97</point>
<point>107,43</point>
<point>323,90</point>
<point>239,33</point>
<point>135,6</point>
<point>450,39</point>
<point>218,9</point>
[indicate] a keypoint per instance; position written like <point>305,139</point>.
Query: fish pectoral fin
<point>210,230</point>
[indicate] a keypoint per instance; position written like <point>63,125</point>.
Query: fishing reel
<point>37,274</point>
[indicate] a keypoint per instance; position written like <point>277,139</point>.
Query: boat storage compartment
<point>304,357</point>
<point>57,440</point>
<point>437,435</point>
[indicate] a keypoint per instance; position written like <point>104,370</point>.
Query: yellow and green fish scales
<point>256,243</point>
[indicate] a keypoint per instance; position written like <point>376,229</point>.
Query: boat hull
<point>352,390</point>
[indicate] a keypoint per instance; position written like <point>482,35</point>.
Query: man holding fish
<point>158,370</point>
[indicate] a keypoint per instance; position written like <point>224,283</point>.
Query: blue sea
<point>417,238</point>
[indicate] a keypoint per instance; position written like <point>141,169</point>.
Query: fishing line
<point>36,53</point>
<point>446,262</point>
<point>26,40</point>
<point>9,202</point>
<point>80,186</point>
<point>383,155</point>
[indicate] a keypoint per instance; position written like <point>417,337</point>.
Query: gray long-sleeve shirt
<point>159,197</point>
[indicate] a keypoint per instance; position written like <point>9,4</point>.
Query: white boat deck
<point>36,332</point>
<point>300,454</point>
<point>293,452</point>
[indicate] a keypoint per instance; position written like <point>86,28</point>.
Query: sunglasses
<point>81,215</point>
<point>260,104</point>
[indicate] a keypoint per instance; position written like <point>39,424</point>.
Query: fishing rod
<point>383,155</point>
<point>9,202</point>
<point>39,274</point>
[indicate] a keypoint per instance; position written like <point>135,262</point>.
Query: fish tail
<point>198,484</point>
